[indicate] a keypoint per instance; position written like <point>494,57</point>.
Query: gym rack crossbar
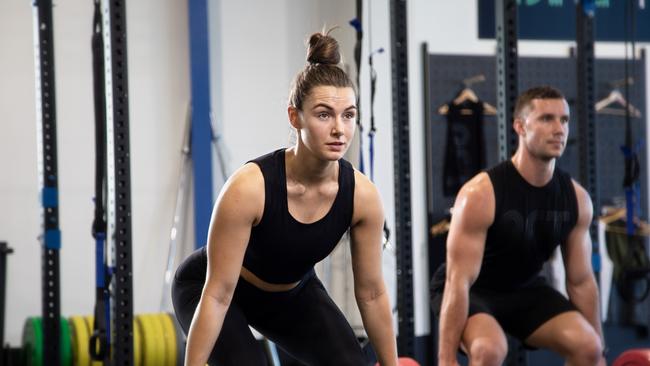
<point>402,178</point>
<point>48,178</point>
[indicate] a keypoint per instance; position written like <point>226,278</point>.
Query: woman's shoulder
<point>247,180</point>
<point>243,194</point>
<point>367,200</point>
<point>364,188</point>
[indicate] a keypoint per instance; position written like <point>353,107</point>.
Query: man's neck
<point>535,171</point>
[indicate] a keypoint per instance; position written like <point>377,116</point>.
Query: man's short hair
<point>538,92</point>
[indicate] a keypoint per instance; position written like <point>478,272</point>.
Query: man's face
<point>543,128</point>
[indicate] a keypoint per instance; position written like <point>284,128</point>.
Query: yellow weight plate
<point>143,344</point>
<point>153,347</point>
<point>160,338</point>
<point>90,319</point>
<point>137,344</point>
<point>80,339</point>
<point>169,336</point>
<point>180,341</point>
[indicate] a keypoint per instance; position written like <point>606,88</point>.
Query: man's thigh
<point>523,311</point>
<point>483,327</point>
<point>562,333</point>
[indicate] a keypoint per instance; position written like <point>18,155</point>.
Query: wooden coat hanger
<point>612,215</point>
<point>642,227</point>
<point>439,228</point>
<point>467,94</point>
<point>604,106</point>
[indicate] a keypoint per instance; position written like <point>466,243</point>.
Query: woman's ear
<point>294,116</point>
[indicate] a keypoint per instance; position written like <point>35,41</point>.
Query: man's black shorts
<point>519,312</point>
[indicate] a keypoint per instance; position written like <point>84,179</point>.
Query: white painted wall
<point>159,89</point>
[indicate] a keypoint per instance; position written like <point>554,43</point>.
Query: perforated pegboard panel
<point>446,73</point>
<point>611,130</point>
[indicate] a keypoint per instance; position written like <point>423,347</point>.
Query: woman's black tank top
<point>282,249</point>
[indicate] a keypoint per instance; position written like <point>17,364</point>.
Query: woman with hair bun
<point>276,217</point>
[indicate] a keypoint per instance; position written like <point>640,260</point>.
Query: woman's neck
<point>303,167</point>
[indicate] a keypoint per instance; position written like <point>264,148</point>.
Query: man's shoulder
<point>477,191</point>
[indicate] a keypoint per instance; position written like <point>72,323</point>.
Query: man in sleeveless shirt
<point>506,222</point>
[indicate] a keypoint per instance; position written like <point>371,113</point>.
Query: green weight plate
<point>33,341</point>
<point>66,345</point>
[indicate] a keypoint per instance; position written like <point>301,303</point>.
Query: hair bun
<point>323,49</point>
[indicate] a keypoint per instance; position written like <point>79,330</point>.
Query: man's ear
<point>518,125</point>
<point>294,116</point>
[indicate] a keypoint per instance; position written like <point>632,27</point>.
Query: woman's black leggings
<point>303,321</point>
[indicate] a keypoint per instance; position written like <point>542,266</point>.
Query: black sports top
<point>529,223</point>
<point>282,249</point>
<point>465,146</point>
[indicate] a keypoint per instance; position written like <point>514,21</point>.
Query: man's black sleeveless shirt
<point>282,249</point>
<point>529,223</point>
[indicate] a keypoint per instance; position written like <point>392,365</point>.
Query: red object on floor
<point>634,357</point>
<point>404,361</point>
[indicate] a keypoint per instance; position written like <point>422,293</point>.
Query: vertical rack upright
<point>48,179</point>
<point>507,78</point>
<point>587,134</point>
<point>118,182</point>
<point>402,178</point>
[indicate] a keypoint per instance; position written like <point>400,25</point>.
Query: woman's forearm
<point>204,330</point>
<point>378,322</point>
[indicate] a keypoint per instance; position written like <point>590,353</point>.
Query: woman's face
<point>327,121</point>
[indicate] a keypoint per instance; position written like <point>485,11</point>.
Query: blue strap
<point>595,261</point>
<point>99,260</point>
<point>589,7</point>
<point>361,166</point>
<point>49,197</point>
<point>371,152</point>
<point>53,239</point>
